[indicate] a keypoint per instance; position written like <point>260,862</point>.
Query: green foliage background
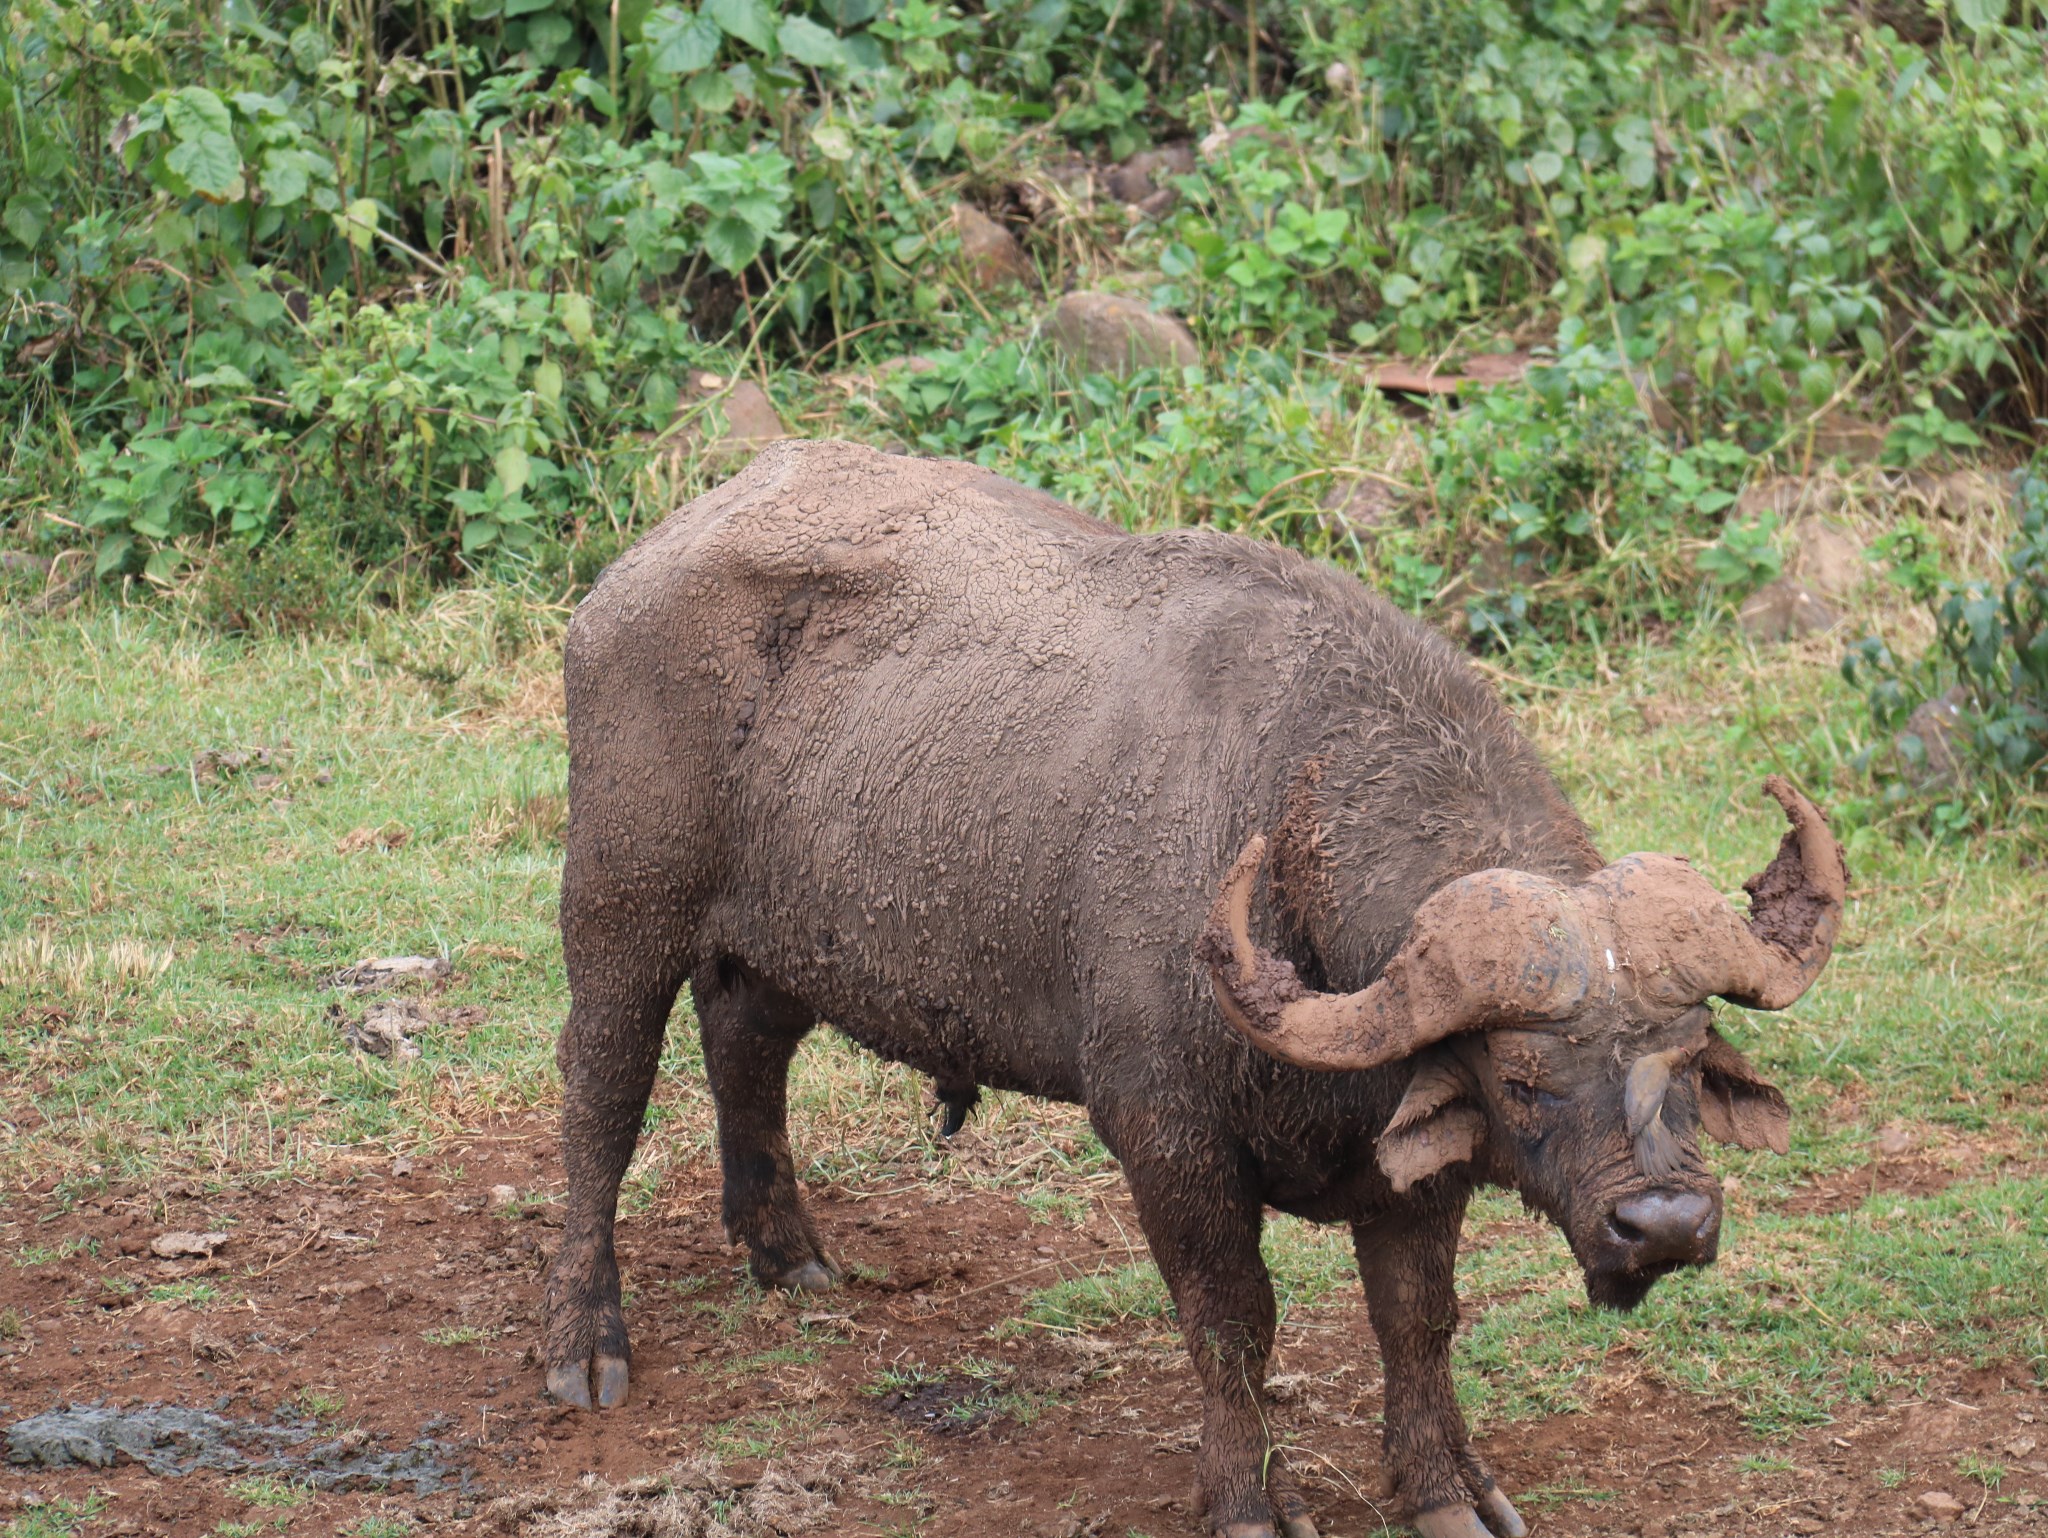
<point>425,284</point>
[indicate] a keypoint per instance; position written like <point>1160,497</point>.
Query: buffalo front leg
<point>1201,1218</point>
<point>608,1055</point>
<point>751,1030</point>
<point>1407,1261</point>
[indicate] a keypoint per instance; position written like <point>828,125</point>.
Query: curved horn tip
<point>1230,914</point>
<point>1819,850</point>
<point>1798,809</point>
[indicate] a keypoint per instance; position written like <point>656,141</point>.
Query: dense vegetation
<point>308,304</point>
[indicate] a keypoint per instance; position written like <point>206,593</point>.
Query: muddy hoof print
<point>571,1383</point>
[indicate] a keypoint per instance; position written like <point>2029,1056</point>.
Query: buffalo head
<point>1558,1034</point>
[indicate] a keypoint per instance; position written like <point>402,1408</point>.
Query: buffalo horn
<point>1504,947</point>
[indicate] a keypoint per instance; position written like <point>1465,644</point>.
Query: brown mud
<point>386,1314</point>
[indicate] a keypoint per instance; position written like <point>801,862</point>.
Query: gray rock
<point>991,253</point>
<point>751,423</point>
<point>1785,610</point>
<point>1109,334</point>
<point>1145,179</point>
<point>1935,726</point>
<point>1219,143</point>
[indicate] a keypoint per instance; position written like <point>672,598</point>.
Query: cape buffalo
<point>1186,829</point>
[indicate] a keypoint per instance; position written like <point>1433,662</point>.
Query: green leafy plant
<point>1989,662</point>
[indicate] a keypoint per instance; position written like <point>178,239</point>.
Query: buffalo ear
<point>1434,1126</point>
<point>1737,1104</point>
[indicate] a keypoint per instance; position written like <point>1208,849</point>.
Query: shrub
<point>1989,661</point>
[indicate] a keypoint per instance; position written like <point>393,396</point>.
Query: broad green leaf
<point>310,47</point>
<point>574,310</point>
<point>731,242</point>
<point>548,35</point>
<point>711,92</point>
<point>524,7</point>
<point>194,111</point>
<point>113,553</point>
<point>513,468</point>
<point>751,21</point>
<point>209,165</point>
<point>359,223</point>
<point>26,217</point>
<point>681,42</point>
<point>547,381</point>
<point>1638,168</point>
<point>1545,166</point>
<point>1979,14</point>
<point>833,141</point>
<point>284,176</point>
<point>1585,254</point>
<point>808,43</point>
<point>477,533</point>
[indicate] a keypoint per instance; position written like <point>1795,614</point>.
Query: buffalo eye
<point>1532,1096</point>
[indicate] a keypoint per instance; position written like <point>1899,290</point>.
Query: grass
<point>55,1519</point>
<point>268,1491</point>
<point>164,949</point>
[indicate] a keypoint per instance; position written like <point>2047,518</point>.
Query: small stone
<point>504,1196</point>
<point>2020,1446</point>
<point>1109,334</point>
<point>1339,78</point>
<point>178,1244</point>
<point>993,257</point>
<point>751,423</point>
<point>401,1166</point>
<point>1930,759</point>
<point>1940,1505</point>
<point>1222,141</point>
<point>1147,175</point>
<point>1894,1141</point>
<point>1785,610</point>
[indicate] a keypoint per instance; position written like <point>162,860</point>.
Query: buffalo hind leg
<point>1201,1218</point>
<point>608,1054</point>
<point>1407,1262</point>
<point>751,1030</point>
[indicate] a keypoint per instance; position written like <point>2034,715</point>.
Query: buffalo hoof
<point>811,1276</point>
<point>1451,1522</point>
<point>1500,1513</point>
<point>1299,1526</point>
<point>570,1383</point>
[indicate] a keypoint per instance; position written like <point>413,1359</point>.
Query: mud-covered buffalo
<point>1187,830</point>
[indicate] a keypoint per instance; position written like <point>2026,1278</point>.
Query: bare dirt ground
<point>391,1310</point>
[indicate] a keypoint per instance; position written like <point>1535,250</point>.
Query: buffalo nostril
<point>1623,1229</point>
<point>1662,1226</point>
